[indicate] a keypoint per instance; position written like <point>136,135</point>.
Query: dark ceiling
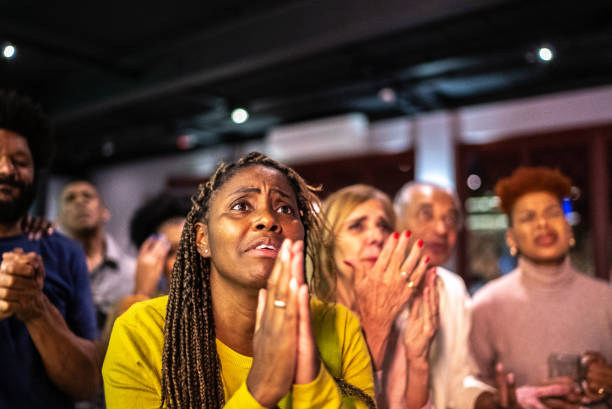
<point>123,80</point>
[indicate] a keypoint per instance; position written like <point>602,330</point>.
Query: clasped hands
<point>21,283</point>
<point>284,350</point>
<point>394,282</point>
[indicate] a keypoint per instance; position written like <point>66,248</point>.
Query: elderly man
<point>82,216</point>
<point>433,215</point>
<point>47,321</point>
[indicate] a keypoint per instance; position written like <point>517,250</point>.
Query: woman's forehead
<point>541,198</point>
<point>257,177</point>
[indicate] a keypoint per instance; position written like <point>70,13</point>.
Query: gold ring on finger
<point>601,391</point>
<point>410,284</point>
<point>280,303</point>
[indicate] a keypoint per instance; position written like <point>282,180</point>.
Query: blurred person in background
<point>544,308</point>
<point>47,321</point>
<point>82,215</point>
<point>433,215</point>
<point>363,265</point>
<point>156,229</point>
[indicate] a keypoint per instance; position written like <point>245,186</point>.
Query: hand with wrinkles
<point>423,321</point>
<point>21,283</point>
<point>385,289</point>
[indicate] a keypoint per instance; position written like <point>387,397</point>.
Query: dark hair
<point>20,115</point>
<point>190,364</point>
<point>155,211</point>
<point>531,179</point>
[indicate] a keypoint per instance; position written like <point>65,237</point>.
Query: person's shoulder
<point>62,251</point>
<point>450,279</point>
<point>495,288</point>
<point>335,314</point>
<point>59,242</point>
<point>595,286</point>
<point>149,313</point>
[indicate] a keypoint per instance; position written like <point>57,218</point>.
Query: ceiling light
<point>545,54</point>
<point>239,115</point>
<point>9,51</point>
<point>387,95</point>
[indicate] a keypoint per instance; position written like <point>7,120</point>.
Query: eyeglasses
<point>451,220</point>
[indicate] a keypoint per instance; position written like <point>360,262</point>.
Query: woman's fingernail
<point>347,263</point>
<point>408,233</point>
<point>420,243</point>
<point>427,259</point>
<point>395,235</point>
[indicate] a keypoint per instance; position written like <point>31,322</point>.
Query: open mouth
<point>266,249</point>
<point>546,239</point>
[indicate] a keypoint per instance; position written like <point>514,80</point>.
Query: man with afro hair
<point>47,323</point>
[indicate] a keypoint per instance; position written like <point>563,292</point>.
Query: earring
<point>202,249</point>
<point>572,242</point>
<point>513,251</point>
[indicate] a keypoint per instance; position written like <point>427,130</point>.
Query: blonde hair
<point>336,208</point>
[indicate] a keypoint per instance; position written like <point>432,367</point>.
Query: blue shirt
<point>23,380</point>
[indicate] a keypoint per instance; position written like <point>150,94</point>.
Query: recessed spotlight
<point>240,115</point>
<point>9,51</point>
<point>387,94</point>
<point>545,54</point>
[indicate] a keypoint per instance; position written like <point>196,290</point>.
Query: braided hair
<point>191,376</point>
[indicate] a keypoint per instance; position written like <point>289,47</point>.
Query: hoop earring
<point>572,242</point>
<point>513,251</point>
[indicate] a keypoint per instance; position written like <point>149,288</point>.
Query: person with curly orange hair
<point>544,309</point>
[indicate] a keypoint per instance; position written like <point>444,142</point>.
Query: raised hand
<point>385,289</point>
<point>21,283</point>
<point>276,333</point>
<point>150,265</point>
<point>423,321</point>
<point>308,362</point>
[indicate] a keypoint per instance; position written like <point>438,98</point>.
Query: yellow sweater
<point>132,367</point>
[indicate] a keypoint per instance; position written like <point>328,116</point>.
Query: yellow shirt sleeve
<point>354,362</point>
<point>242,399</point>
<point>132,367</point>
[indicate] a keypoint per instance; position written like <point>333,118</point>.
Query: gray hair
<point>404,196</point>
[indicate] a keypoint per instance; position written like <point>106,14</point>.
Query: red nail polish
<point>420,243</point>
<point>408,233</point>
<point>427,259</point>
<point>395,235</point>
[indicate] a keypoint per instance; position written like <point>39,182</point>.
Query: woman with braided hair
<point>238,329</point>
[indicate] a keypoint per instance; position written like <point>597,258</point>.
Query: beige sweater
<point>521,318</point>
